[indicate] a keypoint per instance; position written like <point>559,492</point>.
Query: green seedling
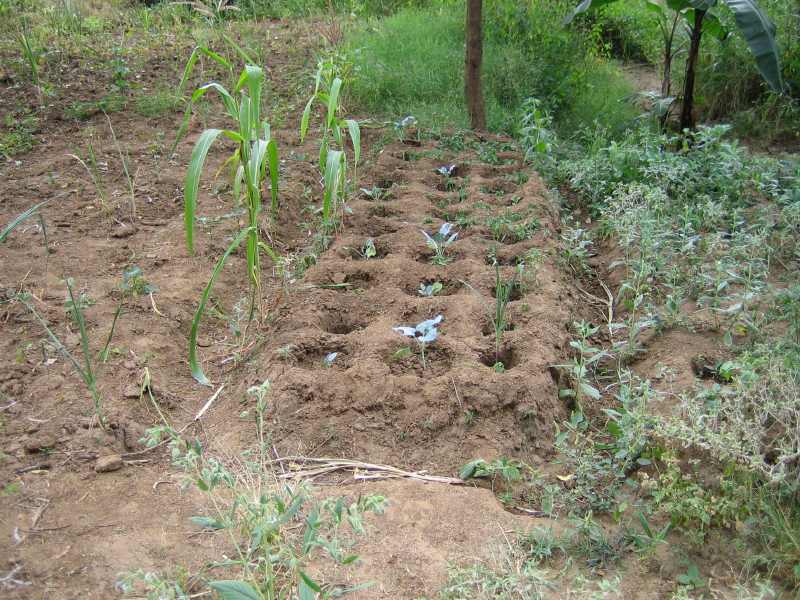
<point>368,251</point>
<point>31,55</point>
<point>430,289</point>
<point>579,369</point>
<point>91,167</point>
<point>376,193</point>
<point>439,242</point>
<point>424,333</point>
<point>403,125</point>
<point>85,370</point>
<point>256,156</point>
<point>500,322</point>
<point>333,164</point>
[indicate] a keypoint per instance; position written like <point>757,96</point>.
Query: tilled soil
<point>67,530</point>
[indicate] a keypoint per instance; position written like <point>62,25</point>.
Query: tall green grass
<point>412,63</point>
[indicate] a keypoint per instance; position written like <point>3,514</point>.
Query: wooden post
<point>472,65</point>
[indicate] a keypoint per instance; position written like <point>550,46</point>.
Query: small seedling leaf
<point>207,522</point>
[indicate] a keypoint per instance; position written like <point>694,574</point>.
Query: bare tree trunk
<point>472,65</point>
<point>687,118</point>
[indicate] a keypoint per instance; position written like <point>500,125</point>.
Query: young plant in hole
<point>332,163</point>
<point>500,322</point>
<point>424,333</point>
<point>376,193</point>
<point>255,156</point>
<point>439,242</point>
<point>368,251</point>
<point>430,290</point>
<point>403,125</point>
<point>579,368</point>
<point>448,171</point>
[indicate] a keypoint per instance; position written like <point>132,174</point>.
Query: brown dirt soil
<point>71,530</point>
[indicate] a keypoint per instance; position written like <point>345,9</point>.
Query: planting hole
<point>341,323</point>
<point>493,360</point>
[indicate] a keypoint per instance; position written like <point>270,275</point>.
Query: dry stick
<point>335,464</point>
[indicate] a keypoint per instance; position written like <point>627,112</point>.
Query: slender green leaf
<point>192,183</point>
<point>306,117</point>
<point>19,219</point>
<point>310,582</point>
<point>333,100</point>
<point>333,167</point>
<point>194,364</point>
<point>242,54</point>
<point>355,135</point>
<point>274,164</point>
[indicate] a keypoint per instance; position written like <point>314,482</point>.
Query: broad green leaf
<point>759,33</point>
<point>207,522</point>
<point>585,6</point>
<point>590,391</point>
<point>19,219</point>
<point>702,4</point>
<point>468,470</point>
<point>192,183</point>
<point>235,590</point>
<point>678,5</point>
<point>194,364</point>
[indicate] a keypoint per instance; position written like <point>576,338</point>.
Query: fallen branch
<point>361,470</point>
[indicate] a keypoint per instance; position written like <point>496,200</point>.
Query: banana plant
<point>700,17</point>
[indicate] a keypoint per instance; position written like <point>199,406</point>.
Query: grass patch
<point>413,61</point>
<point>17,134</point>
<point>158,104</point>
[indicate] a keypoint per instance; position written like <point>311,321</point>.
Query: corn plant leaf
<point>242,54</point>
<point>20,219</point>
<point>194,363</point>
<point>272,158</point>
<point>195,55</point>
<point>192,183</point>
<point>759,33</point>
<point>333,100</point>
<point>235,590</point>
<point>304,120</point>
<point>333,169</point>
<point>310,582</point>
<point>355,136</point>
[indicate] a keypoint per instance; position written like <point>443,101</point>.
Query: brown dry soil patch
<point>67,530</point>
